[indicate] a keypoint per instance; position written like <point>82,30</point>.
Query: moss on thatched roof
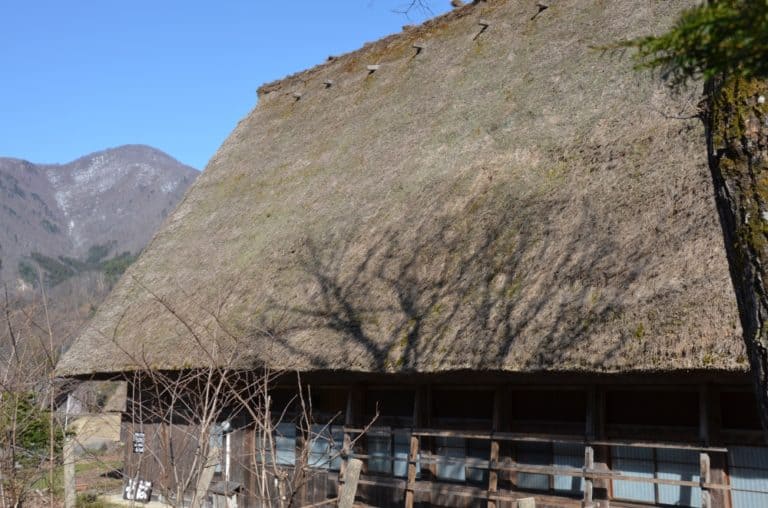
<point>512,201</point>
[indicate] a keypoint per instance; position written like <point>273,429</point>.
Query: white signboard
<point>138,490</point>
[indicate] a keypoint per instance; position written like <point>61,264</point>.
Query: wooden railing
<point>590,474</point>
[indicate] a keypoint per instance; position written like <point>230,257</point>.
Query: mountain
<point>91,215</point>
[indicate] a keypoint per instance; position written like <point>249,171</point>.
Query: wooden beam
<point>528,438</point>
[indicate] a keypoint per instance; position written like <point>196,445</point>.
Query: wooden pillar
<point>718,498</point>
<point>709,433</point>
<point>70,489</point>
<point>589,465</point>
<point>493,460</point>
<point>591,423</point>
<point>715,416</point>
<point>704,415</point>
<point>425,415</point>
<point>493,473</point>
<point>413,457</point>
<point>352,417</point>
<point>420,419</point>
<point>704,479</point>
<point>349,489</point>
<point>419,398</point>
<point>601,488</point>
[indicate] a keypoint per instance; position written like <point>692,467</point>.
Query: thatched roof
<point>512,201</point>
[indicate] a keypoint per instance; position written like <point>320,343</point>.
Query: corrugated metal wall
<point>633,462</point>
<point>748,467</point>
<point>568,455</point>
<point>678,465</point>
<point>656,463</point>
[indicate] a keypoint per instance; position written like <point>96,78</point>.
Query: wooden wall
<point>687,411</point>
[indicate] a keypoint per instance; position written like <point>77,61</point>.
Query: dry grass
<point>515,201</point>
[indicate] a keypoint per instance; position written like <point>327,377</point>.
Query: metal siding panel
<point>677,456</point>
<point>285,444</point>
<point>378,449</point>
<point>626,452</point>
<point>568,455</point>
<point>531,481</point>
<point>749,472</point>
<point>402,449</point>
<point>319,447</point>
<point>748,456</point>
<point>337,443</point>
<point>678,465</point>
<point>634,462</point>
<point>478,449</point>
<point>743,478</point>
<point>679,495</point>
<point>452,447</point>
<point>748,499</point>
<point>535,455</point>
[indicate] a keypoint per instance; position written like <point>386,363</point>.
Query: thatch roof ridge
<point>511,202</point>
<point>410,33</point>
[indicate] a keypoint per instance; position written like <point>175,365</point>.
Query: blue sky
<point>83,75</point>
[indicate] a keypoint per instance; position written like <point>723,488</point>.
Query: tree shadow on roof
<point>507,283</point>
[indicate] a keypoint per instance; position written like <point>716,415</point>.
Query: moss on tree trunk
<point>737,142</point>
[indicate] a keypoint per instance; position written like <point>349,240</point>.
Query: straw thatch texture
<point>512,201</point>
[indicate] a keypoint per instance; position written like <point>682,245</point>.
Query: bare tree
<point>30,437</point>
<point>201,430</point>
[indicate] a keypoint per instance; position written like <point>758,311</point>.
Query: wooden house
<point>498,237</point>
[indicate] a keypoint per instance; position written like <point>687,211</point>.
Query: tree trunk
<point>737,146</point>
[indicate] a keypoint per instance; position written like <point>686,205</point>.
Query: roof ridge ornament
<point>484,24</point>
<point>542,5</point>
